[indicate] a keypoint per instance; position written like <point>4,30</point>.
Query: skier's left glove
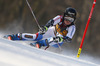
<point>57,39</point>
<point>67,39</point>
<point>43,30</point>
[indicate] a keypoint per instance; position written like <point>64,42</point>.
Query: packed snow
<point>15,53</point>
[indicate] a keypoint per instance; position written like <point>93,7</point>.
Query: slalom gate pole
<point>33,13</point>
<point>79,51</point>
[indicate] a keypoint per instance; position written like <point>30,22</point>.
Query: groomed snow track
<point>17,54</point>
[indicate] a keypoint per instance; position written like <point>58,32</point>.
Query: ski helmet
<point>71,12</point>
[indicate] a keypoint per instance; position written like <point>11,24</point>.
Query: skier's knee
<point>38,36</point>
<point>19,35</point>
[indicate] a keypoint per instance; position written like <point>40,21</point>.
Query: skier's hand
<point>67,39</point>
<point>57,39</point>
<point>43,30</point>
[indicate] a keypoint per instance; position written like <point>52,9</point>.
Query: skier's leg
<point>40,43</point>
<point>31,37</point>
<point>48,34</point>
<point>25,36</point>
<point>47,42</point>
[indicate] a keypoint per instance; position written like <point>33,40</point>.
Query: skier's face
<point>68,20</point>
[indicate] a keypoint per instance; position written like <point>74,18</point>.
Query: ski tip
<point>7,37</point>
<point>35,45</point>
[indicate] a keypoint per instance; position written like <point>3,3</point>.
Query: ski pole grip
<point>79,52</point>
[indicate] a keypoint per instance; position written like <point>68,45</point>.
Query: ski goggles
<point>70,19</point>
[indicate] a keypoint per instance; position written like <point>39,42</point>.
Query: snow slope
<point>17,54</point>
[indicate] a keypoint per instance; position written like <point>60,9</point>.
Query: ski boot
<point>40,43</point>
<point>9,37</point>
<point>35,45</point>
<point>13,37</point>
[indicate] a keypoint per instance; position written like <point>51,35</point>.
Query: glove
<point>43,30</point>
<point>57,39</point>
<point>67,39</point>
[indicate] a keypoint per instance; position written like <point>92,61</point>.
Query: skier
<point>58,30</point>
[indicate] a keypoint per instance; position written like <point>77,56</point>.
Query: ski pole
<point>59,47</point>
<point>79,51</point>
<point>33,14</point>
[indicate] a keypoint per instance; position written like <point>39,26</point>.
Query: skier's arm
<point>70,34</point>
<point>51,22</point>
<point>45,28</point>
<point>61,39</point>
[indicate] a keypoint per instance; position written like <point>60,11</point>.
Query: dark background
<point>15,17</point>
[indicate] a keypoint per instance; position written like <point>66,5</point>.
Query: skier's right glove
<point>43,30</point>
